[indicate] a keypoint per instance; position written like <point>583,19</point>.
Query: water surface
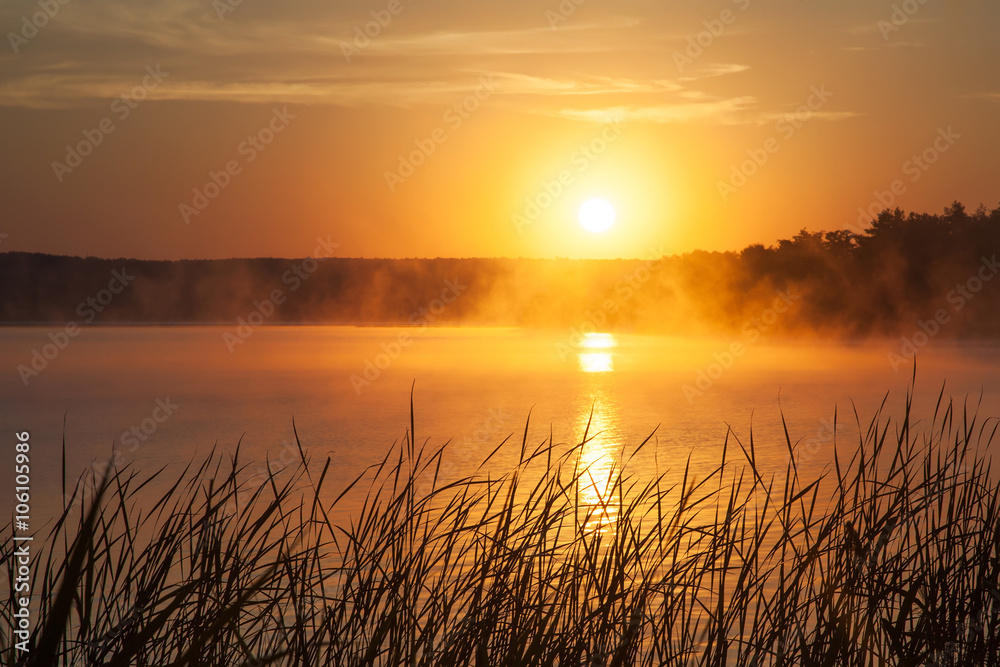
<point>348,391</point>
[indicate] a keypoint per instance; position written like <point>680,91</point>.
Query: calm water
<point>472,386</point>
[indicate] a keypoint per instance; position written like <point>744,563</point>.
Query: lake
<point>163,395</point>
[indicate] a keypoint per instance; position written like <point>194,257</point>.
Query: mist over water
<point>912,276</point>
<point>160,396</point>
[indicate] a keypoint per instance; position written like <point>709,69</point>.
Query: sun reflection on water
<point>599,468</point>
<point>593,361</point>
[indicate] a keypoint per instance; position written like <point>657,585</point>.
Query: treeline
<point>901,273</point>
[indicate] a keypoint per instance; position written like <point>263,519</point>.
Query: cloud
<point>530,41</point>
<point>730,111</point>
<point>874,28</point>
<point>97,53</point>
<point>713,70</point>
<point>993,97</point>
<point>829,116</point>
<point>92,53</point>
<point>515,83</point>
<point>725,112</point>
<point>889,45</point>
<point>65,88</point>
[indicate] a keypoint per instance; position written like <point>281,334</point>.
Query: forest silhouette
<point>902,273</point>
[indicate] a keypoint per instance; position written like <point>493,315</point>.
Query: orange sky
<point>511,115</point>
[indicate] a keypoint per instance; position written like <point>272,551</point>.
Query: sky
<point>436,128</point>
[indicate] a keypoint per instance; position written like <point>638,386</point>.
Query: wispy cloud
<point>95,54</point>
<point>99,51</point>
<point>714,69</point>
<point>873,27</point>
<point>726,112</point>
<point>731,111</point>
<point>828,116</point>
<point>887,45</point>
<point>540,40</point>
<point>527,84</point>
<point>993,97</point>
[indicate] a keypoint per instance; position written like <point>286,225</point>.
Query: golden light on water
<point>596,362</point>
<point>599,341</point>
<point>599,422</point>
<point>592,358</point>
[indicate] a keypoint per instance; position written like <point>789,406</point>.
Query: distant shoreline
<point>912,276</point>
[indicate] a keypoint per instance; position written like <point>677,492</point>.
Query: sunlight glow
<point>597,215</point>
<point>598,341</point>
<point>597,362</point>
<point>598,460</point>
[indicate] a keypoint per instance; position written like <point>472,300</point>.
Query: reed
<point>891,558</point>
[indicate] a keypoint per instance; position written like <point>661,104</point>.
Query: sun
<point>597,215</point>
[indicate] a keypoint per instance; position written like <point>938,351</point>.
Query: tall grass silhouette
<point>890,558</point>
